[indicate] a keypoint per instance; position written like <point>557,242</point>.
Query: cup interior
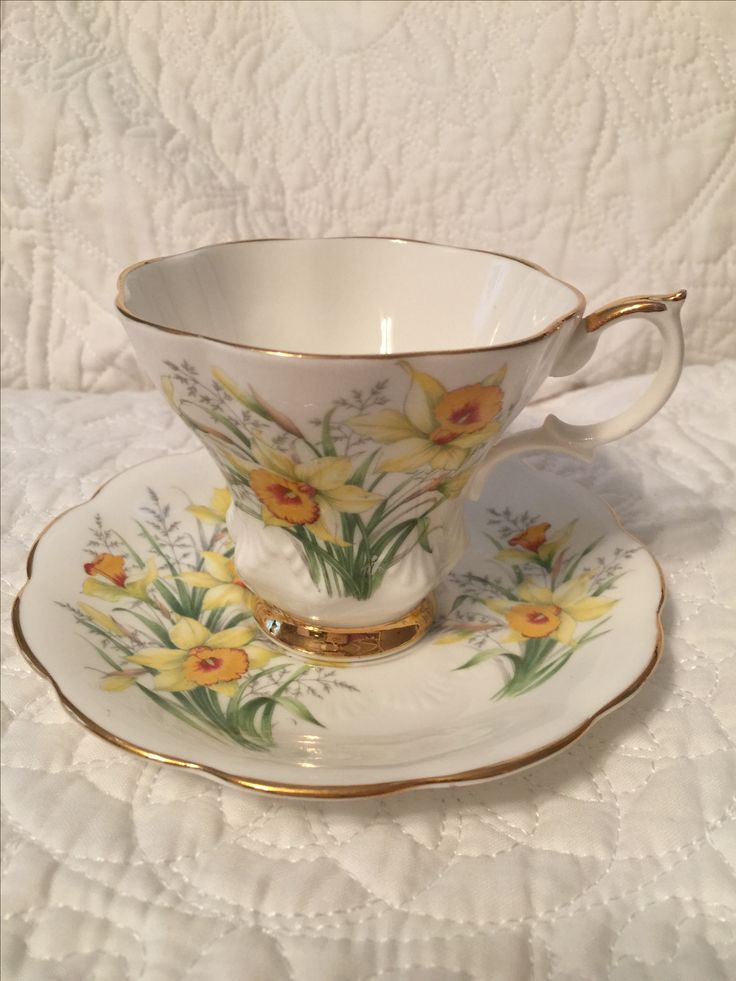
<point>347,296</point>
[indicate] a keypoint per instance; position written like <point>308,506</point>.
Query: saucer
<point>134,613</point>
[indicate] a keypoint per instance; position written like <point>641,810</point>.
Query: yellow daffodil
<point>118,586</point>
<point>533,541</point>
<point>462,632</point>
<point>167,387</point>
<point>311,495</point>
<point>253,401</point>
<point>200,658</point>
<point>451,486</point>
<point>216,512</point>
<point>107,623</point>
<point>220,578</point>
<point>120,680</point>
<point>438,428</point>
<point>531,538</point>
<point>543,612</point>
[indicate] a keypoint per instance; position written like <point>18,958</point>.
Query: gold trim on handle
<point>333,791</point>
<point>630,307</point>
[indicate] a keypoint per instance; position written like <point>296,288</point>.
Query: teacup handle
<point>582,441</point>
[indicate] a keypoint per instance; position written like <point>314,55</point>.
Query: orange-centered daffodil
<point>532,537</point>
<point>534,619</point>
<point>200,658</point>
<point>108,579</point>
<point>544,612</point>
<point>438,428</point>
<point>109,566</point>
<point>311,495</point>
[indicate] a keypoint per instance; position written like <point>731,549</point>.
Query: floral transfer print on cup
<point>541,604</point>
<point>180,628</point>
<point>438,428</point>
<point>361,486</point>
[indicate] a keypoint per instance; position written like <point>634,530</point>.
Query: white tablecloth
<point>614,860</point>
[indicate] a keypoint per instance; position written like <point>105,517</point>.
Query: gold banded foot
<point>332,645</point>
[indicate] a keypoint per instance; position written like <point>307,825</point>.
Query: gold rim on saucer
<point>333,791</point>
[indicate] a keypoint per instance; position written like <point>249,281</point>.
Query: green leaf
<point>604,587</point>
<point>238,433</point>
<point>105,657</point>
<point>208,703</point>
<point>406,529</point>
<point>423,533</point>
<point>569,572</point>
<point>134,555</point>
<point>297,708</point>
<point>360,474</point>
<point>379,546</point>
<point>479,658</point>
<point>182,714</point>
<point>247,719</point>
<point>190,603</point>
<point>459,600</point>
<point>169,596</point>
<point>328,445</point>
<point>156,629</point>
<point>93,628</point>
<point>157,548</point>
<point>590,633</point>
<point>539,677</point>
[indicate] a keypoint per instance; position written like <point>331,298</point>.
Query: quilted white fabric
<point>615,860</point>
<point>595,137</point>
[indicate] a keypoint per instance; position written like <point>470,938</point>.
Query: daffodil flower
<point>120,680</point>
<point>543,612</point>
<point>216,512</point>
<point>311,495</point>
<point>438,428</point>
<point>533,543</point>
<point>200,658</point>
<point>252,400</point>
<point>108,623</point>
<point>118,586</point>
<point>220,578</point>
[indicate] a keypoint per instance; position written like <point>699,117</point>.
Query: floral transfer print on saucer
<point>542,602</point>
<point>176,624</point>
<point>550,620</point>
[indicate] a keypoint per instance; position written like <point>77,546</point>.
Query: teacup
<point>353,392</point>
